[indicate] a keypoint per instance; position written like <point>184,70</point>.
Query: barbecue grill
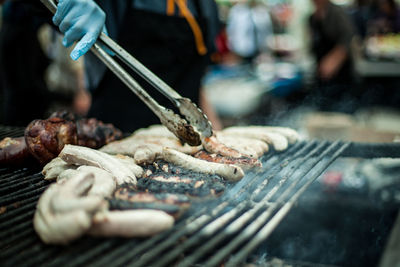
<point>225,230</point>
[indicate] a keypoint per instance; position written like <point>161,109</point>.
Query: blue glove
<point>79,20</point>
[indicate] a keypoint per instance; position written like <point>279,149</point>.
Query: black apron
<point>166,46</point>
<point>23,92</point>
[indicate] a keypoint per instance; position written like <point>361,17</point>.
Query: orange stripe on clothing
<point>170,7</point>
<point>181,13</point>
<point>198,35</point>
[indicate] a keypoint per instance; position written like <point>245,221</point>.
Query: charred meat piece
<point>243,162</point>
<point>46,138</point>
<point>95,134</point>
<point>13,151</point>
<point>201,186</point>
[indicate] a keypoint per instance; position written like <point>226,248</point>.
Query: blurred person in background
<point>248,27</point>
<point>331,36</point>
<point>386,19</point>
<point>22,65</point>
<point>173,38</point>
<point>362,13</point>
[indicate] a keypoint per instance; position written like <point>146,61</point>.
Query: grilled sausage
<point>212,145</point>
<point>278,141</point>
<point>131,223</point>
<point>55,167</point>
<point>86,156</point>
<point>243,162</point>
<point>228,171</point>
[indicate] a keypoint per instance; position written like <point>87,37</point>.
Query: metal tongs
<point>189,133</point>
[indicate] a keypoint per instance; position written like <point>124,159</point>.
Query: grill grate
<point>226,229</point>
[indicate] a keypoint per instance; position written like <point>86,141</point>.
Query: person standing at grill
<point>22,66</point>
<point>331,36</point>
<point>172,38</point>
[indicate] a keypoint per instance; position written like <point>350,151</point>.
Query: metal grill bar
<point>273,223</point>
<point>18,182</point>
<point>231,228</point>
<point>244,218</point>
<point>17,197</point>
<point>217,223</point>
<point>191,228</point>
<point>4,218</point>
<point>15,209</point>
<point>119,256</point>
<point>247,203</point>
<point>249,231</point>
<point>8,131</point>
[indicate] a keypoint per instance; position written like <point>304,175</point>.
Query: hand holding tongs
<point>184,131</point>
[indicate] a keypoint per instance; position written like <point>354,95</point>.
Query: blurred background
<point>329,69</point>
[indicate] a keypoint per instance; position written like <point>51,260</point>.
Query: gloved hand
<point>79,20</point>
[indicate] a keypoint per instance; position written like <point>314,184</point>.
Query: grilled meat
<point>146,145</point>
<point>54,168</point>
<point>252,147</point>
<point>104,183</point>
<point>277,140</point>
<point>118,204</point>
<point>158,130</point>
<point>73,194</point>
<point>64,211</point>
<point>212,145</point>
<point>131,223</point>
<point>86,156</point>
<point>291,135</point>
<point>46,138</point>
<point>126,193</point>
<point>243,162</point>
<point>13,151</point>
<point>228,171</point>
<point>166,178</point>
<point>194,188</point>
<point>125,199</point>
<point>95,134</point>
<point>130,163</point>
